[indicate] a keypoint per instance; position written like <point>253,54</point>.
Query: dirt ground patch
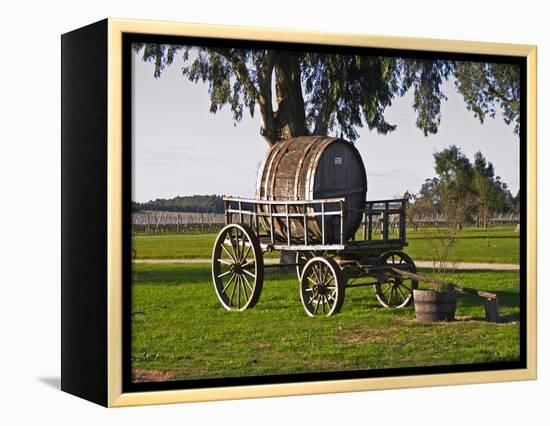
<point>141,376</point>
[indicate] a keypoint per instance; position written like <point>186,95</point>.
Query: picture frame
<point>96,199</point>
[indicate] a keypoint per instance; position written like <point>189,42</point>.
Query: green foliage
<point>462,189</point>
<point>485,86</point>
<point>426,78</point>
<point>193,203</point>
<point>491,192</point>
<point>325,93</point>
<point>343,92</point>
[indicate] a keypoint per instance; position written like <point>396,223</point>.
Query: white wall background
<point>30,191</point>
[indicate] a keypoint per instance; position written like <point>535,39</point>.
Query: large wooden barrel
<point>311,168</point>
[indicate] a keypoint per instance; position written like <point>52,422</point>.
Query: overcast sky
<point>180,148</point>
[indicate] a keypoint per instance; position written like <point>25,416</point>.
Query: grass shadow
<point>184,274</point>
<point>506,299</point>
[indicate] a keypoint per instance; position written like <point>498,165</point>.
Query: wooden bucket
<point>431,305</point>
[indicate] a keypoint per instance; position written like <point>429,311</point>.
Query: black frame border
<point>129,386</point>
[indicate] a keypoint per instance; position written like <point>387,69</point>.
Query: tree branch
<point>322,121</point>
<point>265,96</point>
<point>239,68</point>
<point>491,90</point>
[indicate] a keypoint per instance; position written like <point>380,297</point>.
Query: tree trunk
<point>289,119</point>
<point>290,113</point>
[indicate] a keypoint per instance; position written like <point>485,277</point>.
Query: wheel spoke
<point>225,262</point>
<point>401,292</point>
<point>323,297</point>
<point>231,238</point>
<point>245,290</point>
<point>314,272</point>
<point>224,274</point>
<point>247,264</point>
<point>248,283</point>
<point>228,283</point>
<point>227,251</point>
<point>237,244</point>
<point>239,292</point>
<point>316,306</point>
<point>233,291</point>
<point>320,273</point>
<point>243,258</point>
<point>243,247</point>
<point>391,296</point>
<point>249,273</point>
<point>328,275</point>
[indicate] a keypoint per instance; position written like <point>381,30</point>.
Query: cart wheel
<point>237,267</point>
<point>396,292</point>
<point>322,287</point>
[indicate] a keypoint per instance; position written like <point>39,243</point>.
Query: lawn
<point>498,245</point>
<point>502,246</point>
<point>180,331</point>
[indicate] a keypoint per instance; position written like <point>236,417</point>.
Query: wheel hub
<point>321,288</point>
<point>236,268</point>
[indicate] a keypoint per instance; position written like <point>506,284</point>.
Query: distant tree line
<point>463,191</point>
<point>193,203</point>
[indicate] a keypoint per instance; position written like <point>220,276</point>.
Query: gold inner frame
<point>116,28</point>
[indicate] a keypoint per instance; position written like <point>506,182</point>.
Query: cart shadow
<point>506,299</point>
<point>503,319</point>
<point>176,276</point>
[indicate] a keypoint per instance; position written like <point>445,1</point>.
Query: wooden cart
<point>327,263</point>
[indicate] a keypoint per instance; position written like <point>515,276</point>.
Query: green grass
<point>503,246</point>
<point>195,246</point>
<point>179,327</point>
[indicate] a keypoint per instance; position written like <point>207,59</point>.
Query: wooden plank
<point>313,247</point>
<point>491,310</point>
<point>385,231</point>
<point>283,202</point>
